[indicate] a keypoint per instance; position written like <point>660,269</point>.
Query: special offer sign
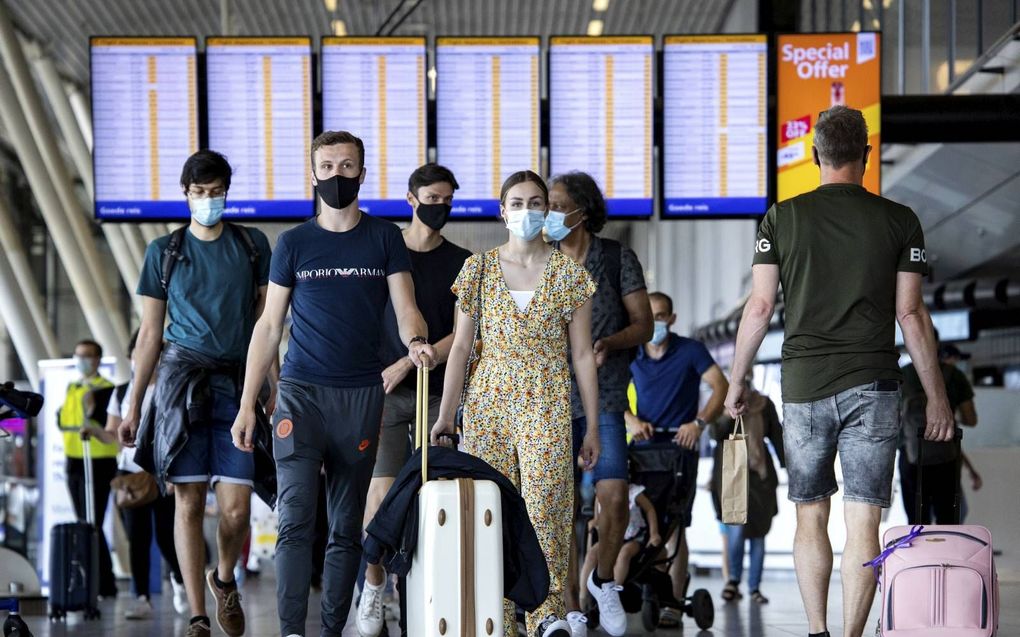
<point>818,71</point>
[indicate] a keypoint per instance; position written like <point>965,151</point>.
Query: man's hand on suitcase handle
<point>941,425</point>
<point>421,353</point>
<point>242,432</point>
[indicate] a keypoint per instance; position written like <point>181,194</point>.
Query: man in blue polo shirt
<point>667,376</point>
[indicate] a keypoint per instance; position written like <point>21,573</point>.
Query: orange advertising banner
<point>815,72</point>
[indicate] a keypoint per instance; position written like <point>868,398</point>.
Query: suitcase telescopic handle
<point>421,418</point>
<point>90,494</point>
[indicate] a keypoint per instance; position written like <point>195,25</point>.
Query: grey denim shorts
<point>861,423</point>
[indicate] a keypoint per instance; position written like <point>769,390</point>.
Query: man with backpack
<point>210,277</point>
<point>621,322</point>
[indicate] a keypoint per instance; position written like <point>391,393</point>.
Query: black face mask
<point>338,191</point>
<point>434,215</point>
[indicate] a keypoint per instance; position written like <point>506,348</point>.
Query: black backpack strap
<point>252,250</point>
<point>244,235</point>
<point>171,255</point>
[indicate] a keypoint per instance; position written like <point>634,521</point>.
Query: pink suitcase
<point>938,580</point>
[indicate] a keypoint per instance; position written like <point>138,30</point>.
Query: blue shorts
<point>862,425</point>
<point>612,464</point>
<point>210,453</point>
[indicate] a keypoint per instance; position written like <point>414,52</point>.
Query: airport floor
<point>783,617</point>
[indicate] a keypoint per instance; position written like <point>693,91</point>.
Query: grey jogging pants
<point>338,429</point>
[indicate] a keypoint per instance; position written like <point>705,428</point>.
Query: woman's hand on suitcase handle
<point>439,429</point>
<point>589,455</point>
<point>242,432</point>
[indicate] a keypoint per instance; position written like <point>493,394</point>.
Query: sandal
<point>758,598</point>
<point>731,591</point>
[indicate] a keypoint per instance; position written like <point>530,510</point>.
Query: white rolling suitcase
<point>455,585</point>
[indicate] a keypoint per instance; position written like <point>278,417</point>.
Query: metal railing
<point>927,44</point>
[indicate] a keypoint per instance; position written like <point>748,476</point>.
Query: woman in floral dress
<point>531,301</point>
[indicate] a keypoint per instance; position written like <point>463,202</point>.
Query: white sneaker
<point>612,617</point>
<point>370,611</point>
<point>141,609</point>
<point>553,626</point>
<point>578,623</point>
<point>180,597</point>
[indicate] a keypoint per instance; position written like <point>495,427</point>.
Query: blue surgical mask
<point>84,365</point>
<point>660,333</point>
<point>556,228</point>
<point>526,224</point>
<point>208,211</point>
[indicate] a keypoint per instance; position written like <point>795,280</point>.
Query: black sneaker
<point>553,626</point>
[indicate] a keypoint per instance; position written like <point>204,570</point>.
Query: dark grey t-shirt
<point>609,316</point>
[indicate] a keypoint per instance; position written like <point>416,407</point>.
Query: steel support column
<point>17,263</point>
<point>81,155</point>
<point>86,289</point>
<point>19,323</point>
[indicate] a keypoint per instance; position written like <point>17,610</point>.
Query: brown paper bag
<point>734,476</point>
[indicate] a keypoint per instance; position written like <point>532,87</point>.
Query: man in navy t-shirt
<point>335,274</point>
<point>667,376</point>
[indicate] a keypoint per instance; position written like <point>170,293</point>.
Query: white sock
<point>375,587</point>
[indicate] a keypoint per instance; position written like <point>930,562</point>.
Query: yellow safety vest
<point>72,417</point>
<point>632,403</point>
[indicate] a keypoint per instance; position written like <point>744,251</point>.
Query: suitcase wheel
<point>93,613</point>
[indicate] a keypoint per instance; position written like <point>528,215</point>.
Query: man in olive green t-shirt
<point>851,263</point>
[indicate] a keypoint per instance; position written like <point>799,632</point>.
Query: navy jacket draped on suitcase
<point>393,534</point>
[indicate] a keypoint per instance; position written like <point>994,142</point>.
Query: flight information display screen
<point>487,111</point>
<point>259,98</point>
<point>145,125</point>
<point>600,111</point>
<point>714,126</point>
<point>375,89</point>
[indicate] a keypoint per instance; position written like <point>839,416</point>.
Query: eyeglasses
<point>202,193</point>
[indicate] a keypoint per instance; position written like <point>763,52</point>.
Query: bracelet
<point>417,339</point>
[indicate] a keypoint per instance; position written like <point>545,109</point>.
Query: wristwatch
<point>702,423</point>
<point>417,339</point>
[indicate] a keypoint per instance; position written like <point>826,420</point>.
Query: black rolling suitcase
<point>74,559</point>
